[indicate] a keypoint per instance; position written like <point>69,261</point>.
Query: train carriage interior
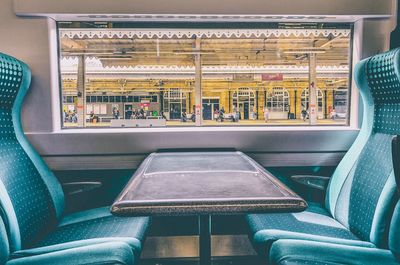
<point>167,132</point>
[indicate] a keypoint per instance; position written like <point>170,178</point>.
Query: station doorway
<point>128,111</point>
<point>175,110</point>
<point>244,102</point>
<point>278,103</point>
<point>210,105</point>
<point>320,100</point>
<point>244,108</point>
<point>174,103</point>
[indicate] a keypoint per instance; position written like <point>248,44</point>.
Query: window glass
<point>123,75</point>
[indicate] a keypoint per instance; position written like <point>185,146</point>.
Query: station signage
<point>272,77</point>
<point>312,109</point>
<point>243,76</point>
<point>198,109</point>
<point>145,104</point>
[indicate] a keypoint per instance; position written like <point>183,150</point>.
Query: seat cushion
<point>302,252</point>
<point>95,226</point>
<point>314,224</point>
<point>103,253</point>
<point>317,208</point>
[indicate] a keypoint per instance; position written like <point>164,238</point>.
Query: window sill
<point>202,129</point>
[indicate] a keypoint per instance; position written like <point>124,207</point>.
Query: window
<point>193,76</point>
<point>340,102</point>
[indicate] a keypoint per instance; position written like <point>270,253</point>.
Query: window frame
<point>352,122</point>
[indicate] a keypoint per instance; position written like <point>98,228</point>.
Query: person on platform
<point>235,114</point>
<point>91,117</point>
<point>216,114</point>
<point>221,113</point>
<point>266,114</point>
<point>184,117</point>
<point>140,114</point>
<point>115,113</point>
<point>162,114</point>
<point>69,116</point>
<point>304,114</point>
<point>75,117</point>
<point>333,114</point>
<point>254,114</point>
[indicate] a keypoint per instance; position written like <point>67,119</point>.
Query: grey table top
<point>183,183</point>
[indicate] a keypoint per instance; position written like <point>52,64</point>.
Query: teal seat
<point>32,200</point>
<point>302,252</point>
<point>117,252</point>
<point>362,191</point>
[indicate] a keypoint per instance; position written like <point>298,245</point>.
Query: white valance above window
<point>199,33</point>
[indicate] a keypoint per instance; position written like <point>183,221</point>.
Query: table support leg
<point>205,239</point>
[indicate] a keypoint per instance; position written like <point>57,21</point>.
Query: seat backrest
<point>361,192</point>
<point>30,195</point>
<point>4,246</point>
<point>394,232</point>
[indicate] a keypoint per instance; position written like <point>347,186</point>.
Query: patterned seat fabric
<point>362,191</point>
<point>301,252</point>
<point>31,198</point>
<point>305,222</point>
<point>30,206</point>
<point>102,227</point>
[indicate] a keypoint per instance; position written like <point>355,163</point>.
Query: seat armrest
<point>72,188</point>
<point>396,159</point>
<point>313,182</point>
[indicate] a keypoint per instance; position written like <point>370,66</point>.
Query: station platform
<point>177,123</point>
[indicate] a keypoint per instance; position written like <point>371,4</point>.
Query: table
<point>204,183</point>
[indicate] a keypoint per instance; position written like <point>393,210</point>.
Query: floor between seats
<point>216,261</point>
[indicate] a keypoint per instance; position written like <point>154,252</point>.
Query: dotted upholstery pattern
<point>10,80</point>
<point>29,194</point>
<point>382,78</point>
<point>384,84</point>
<point>371,174</point>
<point>387,119</point>
<point>108,226</point>
<point>32,197</point>
<point>289,222</point>
<point>375,165</point>
<point>365,185</point>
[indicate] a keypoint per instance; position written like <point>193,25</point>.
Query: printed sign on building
<point>272,77</point>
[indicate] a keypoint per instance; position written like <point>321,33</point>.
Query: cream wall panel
<point>289,7</point>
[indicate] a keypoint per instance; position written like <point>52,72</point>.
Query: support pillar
<point>197,81</point>
<point>229,102</point>
<point>295,104</point>
<point>161,93</point>
<point>80,85</point>
<point>325,102</point>
<point>312,79</point>
<point>257,104</point>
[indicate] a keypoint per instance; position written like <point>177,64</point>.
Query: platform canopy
<point>222,50</point>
